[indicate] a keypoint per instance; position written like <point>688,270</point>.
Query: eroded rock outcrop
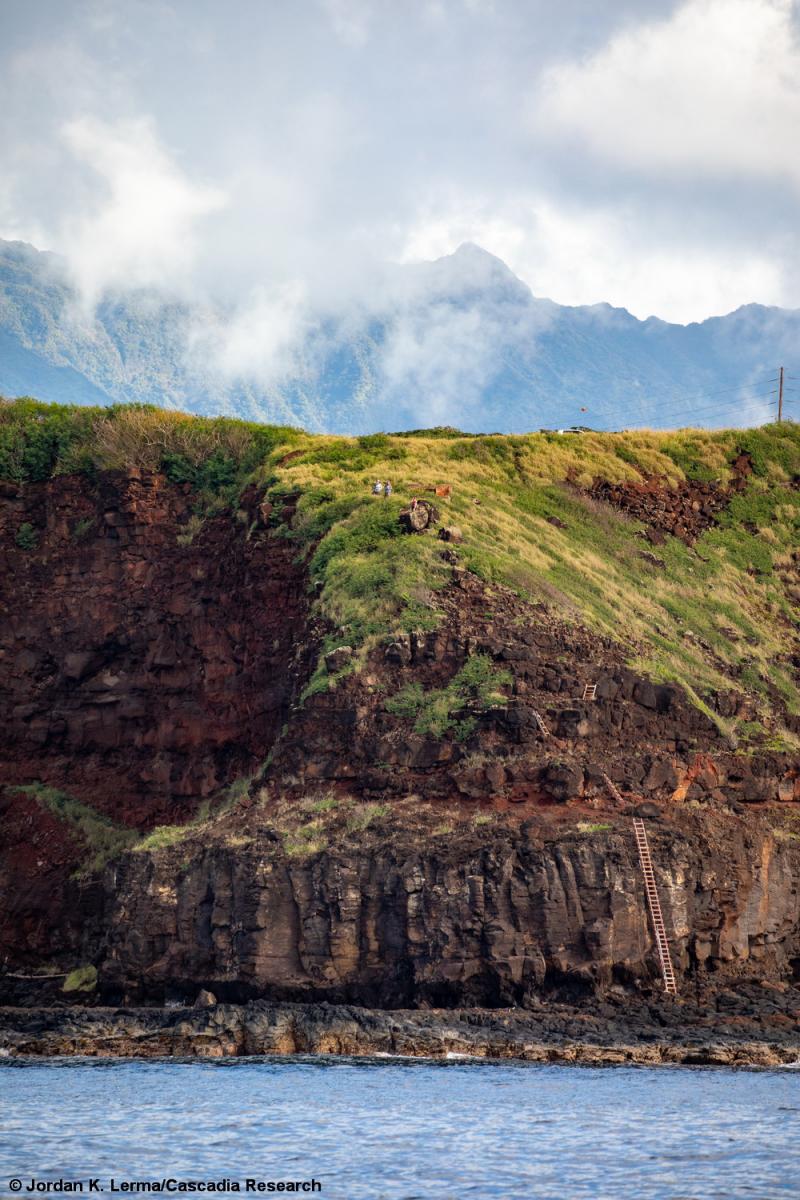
<point>756,1028</point>
<point>147,659</point>
<point>684,510</point>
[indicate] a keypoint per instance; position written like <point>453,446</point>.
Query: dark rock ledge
<point>653,1034</point>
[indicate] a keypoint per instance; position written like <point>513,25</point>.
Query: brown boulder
<point>338,658</point>
<point>564,781</point>
<point>419,517</point>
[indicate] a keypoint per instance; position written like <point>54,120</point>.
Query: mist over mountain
<point>458,341</point>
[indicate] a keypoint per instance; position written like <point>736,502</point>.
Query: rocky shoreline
<point>647,1033</point>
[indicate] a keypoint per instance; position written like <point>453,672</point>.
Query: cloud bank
<point>139,228</point>
<point>639,153</point>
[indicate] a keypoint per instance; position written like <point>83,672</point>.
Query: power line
<point>660,398</point>
<point>690,400</point>
<point>684,408</point>
<point>719,406</point>
<point>673,411</point>
<point>744,392</point>
<point>710,395</point>
<point>676,408</point>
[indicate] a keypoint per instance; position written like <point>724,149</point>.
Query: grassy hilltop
<point>721,614</point>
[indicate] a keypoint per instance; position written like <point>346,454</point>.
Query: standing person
<point>387,490</point>
<point>378,488</point>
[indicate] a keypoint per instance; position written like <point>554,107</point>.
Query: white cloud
<point>452,327</point>
<point>350,20</point>
<point>437,361</point>
<point>712,90</point>
<point>642,170</point>
<point>260,339</point>
<point>140,229</point>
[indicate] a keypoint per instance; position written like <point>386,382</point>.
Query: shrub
<point>190,530</point>
<point>82,528</point>
<point>35,438</point>
<point>407,702</point>
<point>214,455</point>
<point>476,685</point>
<point>26,536</point>
<point>366,816</point>
<point>307,840</point>
<point>163,836</point>
<point>326,804</point>
<point>479,680</point>
<point>82,979</point>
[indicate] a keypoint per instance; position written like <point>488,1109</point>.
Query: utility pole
<point>780,394</point>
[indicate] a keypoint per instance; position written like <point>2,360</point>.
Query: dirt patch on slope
<point>685,510</point>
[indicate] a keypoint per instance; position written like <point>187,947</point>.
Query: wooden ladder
<point>590,691</point>
<point>616,794</point>
<point>654,903</point>
<point>542,727</point>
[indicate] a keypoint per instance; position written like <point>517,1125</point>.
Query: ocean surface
<point>387,1129</point>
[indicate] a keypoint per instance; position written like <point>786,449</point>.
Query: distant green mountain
<point>460,341</point>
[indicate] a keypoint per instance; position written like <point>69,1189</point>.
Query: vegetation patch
<point>325,804</point>
<point>365,816</point>
<point>216,456</point>
<point>104,839</point>
<point>441,710</point>
<point>26,536</point>
<point>190,530</point>
<point>164,836</point>
<point>82,979</point>
<point>83,528</point>
<point>306,840</point>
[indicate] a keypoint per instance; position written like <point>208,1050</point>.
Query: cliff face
<point>447,825</point>
<point>467,918</point>
<point>142,669</point>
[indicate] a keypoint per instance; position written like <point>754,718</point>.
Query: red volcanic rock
<point>139,672</point>
<point>685,510</point>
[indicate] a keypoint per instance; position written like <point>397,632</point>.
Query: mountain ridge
<point>457,341</point>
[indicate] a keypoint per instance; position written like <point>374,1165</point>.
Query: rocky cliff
<point>143,669</point>
<point>490,917</point>
<point>143,662</point>
<point>208,781</point>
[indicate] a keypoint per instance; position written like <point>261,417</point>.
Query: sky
<point>639,152</point>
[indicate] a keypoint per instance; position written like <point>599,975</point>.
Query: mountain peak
<point>473,250</point>
<point>471,268</point>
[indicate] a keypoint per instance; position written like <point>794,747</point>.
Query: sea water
<point>387,1129</point>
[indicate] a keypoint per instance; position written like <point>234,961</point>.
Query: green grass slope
<point>721,614</point>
